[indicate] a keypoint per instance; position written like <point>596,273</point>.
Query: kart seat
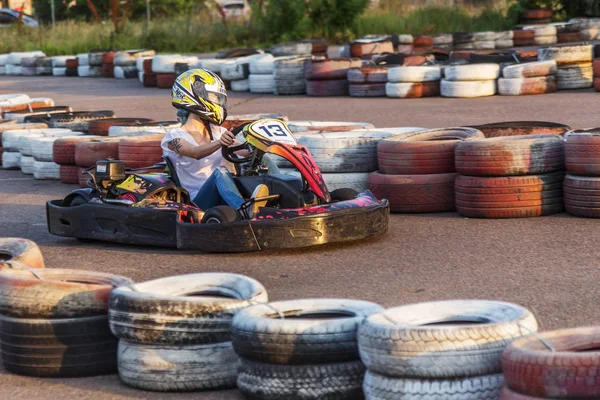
<point>171,171</point>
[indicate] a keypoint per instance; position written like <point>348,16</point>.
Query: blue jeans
<point>220,189</point>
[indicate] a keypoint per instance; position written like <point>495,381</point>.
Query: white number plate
<point>275,131</point>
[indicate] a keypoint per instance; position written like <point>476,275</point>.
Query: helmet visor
<point>218,98</point>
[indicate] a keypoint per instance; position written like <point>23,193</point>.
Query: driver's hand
<point>227,139</point>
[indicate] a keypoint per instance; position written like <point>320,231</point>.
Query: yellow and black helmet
<point>201,92</point>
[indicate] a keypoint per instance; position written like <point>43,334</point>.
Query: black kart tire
<point>343,194</point>
<point>220,215</point>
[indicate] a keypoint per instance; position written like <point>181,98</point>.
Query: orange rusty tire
<point>527,86</point>
<point>366,89</point>
<point>415,193</point>
<point>517,128</point>
<point>100,127</point>
<point>333,68</point>
<point>509,197</point>
<point>108,57</point>
<point>582,196</point>
<point>507,394</point>
<point>87,153</point>
<point>569,371</point>
<point>141,151</point>
<point>424,152</point>
<point>371,74</point>
<point>582,152</point>
<point>569,37</point>
<point>149,80</point>
<point>56,293</point>
<point>523,34</point>
<point>22,251</point>
<point>524,42</point>
<point>69,174</point>
<point>336,87</point>
<point>423,41</point>
<point>63,149</point>
<point>412,90</point>
<point>165,81</point>
<point>366,50</point>
<point>510,156</point>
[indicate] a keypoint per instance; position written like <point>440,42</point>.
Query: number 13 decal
<point>273,130</point>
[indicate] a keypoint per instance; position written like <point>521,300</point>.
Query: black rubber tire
<point>77,200</point>
<point>69,347</point>
<point>220,215</point>
<point>343,194</point>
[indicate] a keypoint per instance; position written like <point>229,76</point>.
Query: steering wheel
<point>229,152</point>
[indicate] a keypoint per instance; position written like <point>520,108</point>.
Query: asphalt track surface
<point>549,264</point>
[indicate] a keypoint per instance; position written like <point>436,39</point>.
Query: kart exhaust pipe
<point>117,201</point>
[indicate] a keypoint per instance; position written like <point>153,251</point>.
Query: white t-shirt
<point>193,173</point>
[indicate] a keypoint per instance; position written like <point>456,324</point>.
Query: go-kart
<point>137,207</point>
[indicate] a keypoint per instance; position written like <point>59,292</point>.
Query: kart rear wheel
<point>220,215</point>
<point>77,201</point>
<point>343,194</point>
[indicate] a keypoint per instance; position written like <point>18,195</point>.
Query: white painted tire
<point>579,77</point>
<point>414,74</point>
<point>3,59</point>
<point>83,59</point>
<point>83,70</point>
<point>16,57</point>
<point>542,30</point>
<point>545,40</point>
<point>240,85</point>
<point>129,58</point>
<point>484,36</point>
<point>125,72</point>
<point>261,83</point>
<point>12,99</point>
<point>527,86</point>
<point>25,143</point>
<point>344,51</point>
<point>472,72</point>
<point>506,35</point>
<point>95,72</point>
<point>404,90</point>
<point>11,140</point>
<point>442,39</point>
<point>141,130</point>
<point>41,148</point>
<point>567,54</point>
<point>485,45</point>
<point>530,69</point>
<point>11,159</point>
<point>236,69</point>
<point>163,368</point>
<point>292,49</point>
<point>468,89</point>
<point>352,180</point>
<point>26,164</point>
<point>141,76</point>
<point>590,34</point>
<point>2,70</point>
<point>46,170</point>
<point>28,71</point>
<point>165,64</point>
<point>213,65</point>
<point>504,44</point>
<point>14,70</point>
<point>289,68</point>
<point>59,71</point>
<point>60,61</point>
<point>43,71</point>
<point>262,65</point>
<point>139,62</point>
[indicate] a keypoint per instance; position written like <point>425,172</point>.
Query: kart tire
<point>339,381</point>
<point>565,372</point>
<point>101,127</point>
<point>241,85</point>
<point>220,215</point>
<point>425,152</point>
<point>414,74</point>
<point>141,151</point>
<point>165,63</point>
<point>366,50</point>
<point>527,86</point>
<point>367,89</point>
<point>568,54</point>
<point>510,155</point>
<point>11,159</point>
<point>46,170</point>
<point>26,164</point>
<point>78,120</point>
<point>60,71</point>
<point>343,194</point>
<point>509,197</point>
<point>369,74</point>
<point>25,143</point>
<point>56,293</point>
<point>165,80</point>
<point>381,387</point>
<point>581,152</point>
<point>158,311</point>
<point>433,193</point>
<point>467,89</point>
<point>261,333</point>
<point>411,90</point>
<point>476,72</point>
<point>22,251</point>
<point>189,367</point>
<point>42,148</point>
<point>65,347</point>
<point>329,69</point>
<point>63,150</point>
<point>261,83</point>
<point>69,174</point>
<point>87,153</point>
<point>582,196</point>
<point>517,128</point>
<point>405,341</point>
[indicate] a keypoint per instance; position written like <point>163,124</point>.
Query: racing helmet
<point>201,92</point>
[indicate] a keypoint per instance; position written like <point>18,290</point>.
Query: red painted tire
<point>72,63</point>
<point>69,174</point>
<point>510,156</point>
<point>582,152</point>
<point>423,41</point>
<point>425,152</point>
<point>108,57</point>
<point>569,37</point>
<point>108,70</point>
<point>100,127</point>
<point>521,34</point>
<point>370,74</point>
<point>63,149</point>
<point>415,193</point>
<point>524,42</point>
<point>150,80</point>
<point>582,196</point>
<point>366,50</point>
<point>596,68</point>
<point>366,89</point>
<point>83,178</point>
<point>22,251</point>
<point>141,151</point>
<point>333,68</point>
<point>509,197</point>
<point>147,66</point>
<point>87,153</point>
<point>507,394</point>
<point>518,128</point>
<point>337,87</point>
<point>597,84</point>
<point>165,81</point>
<point>570,371</point>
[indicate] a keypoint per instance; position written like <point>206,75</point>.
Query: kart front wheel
<point>343,194</point>
<point>77,201</point>
<point>220,215</point>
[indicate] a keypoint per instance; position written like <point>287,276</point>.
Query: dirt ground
<point>548,264</point>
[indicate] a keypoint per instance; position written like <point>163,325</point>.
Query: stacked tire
<point>365,49</point>
<point>144,66</point>
<point>108,64</point>
<point>141,151</point>
<point>78,120</point>
<point>575,67</point>
<point>95,63</point>
<point>12,143</point>
<point>289,76</point>
<point>510,177</point>
<point>142,129</point>
<point>71,65</point>
<point>405,43</point>
<point>28,66</point>
<point>261,78</point>
<point>552,365</point>
<point>15,59</point>
<point>301,349</point>
<point>36,154</point>
<point>63,154</point>
<point>102,126</point>
<point>590,29</point>
<point>537,77</point>
<point>125,62</point>
<point>328,77</point>
<point>523,37</point>
<point>83,65</point>
<point>368,81</point>
<point>59,65</point>
<point>415,352</point>
<point>413,82</point>
<point>463,40</point>
<point>11,147</point>
<point>568,32</point>
<point>24,115</point>
<point>88,152</point>
<point>544,35</point>
<point>596,70</point>
<point>477,80</point>
<point>53,322</point>
<point>504,40</point>
<point>581,187</point>
<point>184,319</point>
<point>518,128</point>
<point>43,66</point>
<point>416,170</point>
